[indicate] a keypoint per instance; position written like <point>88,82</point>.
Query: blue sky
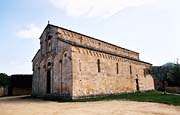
<point>150,27</point>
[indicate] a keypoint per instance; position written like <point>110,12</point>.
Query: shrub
<point>4,79</point>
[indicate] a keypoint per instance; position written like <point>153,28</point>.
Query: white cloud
<point>30,32</point>
<point>104,8</point>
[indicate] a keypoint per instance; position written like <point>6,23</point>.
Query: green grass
<point>149,96</point>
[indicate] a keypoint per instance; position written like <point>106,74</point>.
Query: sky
<point>150,27</point>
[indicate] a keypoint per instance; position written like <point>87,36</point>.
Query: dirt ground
<point>28,106</point>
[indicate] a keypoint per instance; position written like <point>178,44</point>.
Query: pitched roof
<point>98,50</point>
<point>89,37</point>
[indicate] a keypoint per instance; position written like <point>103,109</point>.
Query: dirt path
<point>26,106</point>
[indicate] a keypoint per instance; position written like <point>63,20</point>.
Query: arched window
<point>117,68</point>
<point>130,69</point>
<point>65,54</point>
<point>98,64</point>
<point>79,65</point>
<point>49,42</point>
<point>49,64</point>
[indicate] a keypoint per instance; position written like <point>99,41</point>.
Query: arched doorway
<point>137,83</point>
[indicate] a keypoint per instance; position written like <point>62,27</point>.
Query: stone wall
<point>172,90</point>
<point>3,91</point>
<point>21,91</point>
<point>111,79</point>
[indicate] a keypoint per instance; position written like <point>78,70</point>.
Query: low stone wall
<point>3,91</point>
<point>173,89</point>
<point>21,91</point>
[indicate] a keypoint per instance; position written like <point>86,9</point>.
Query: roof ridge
<point>102,51</point>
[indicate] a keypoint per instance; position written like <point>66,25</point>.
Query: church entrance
<point>48,85</point>
<point>137,84</point>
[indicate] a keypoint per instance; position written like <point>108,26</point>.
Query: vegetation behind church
<point>167,77</point>
<point>4,79</point>
<point>170,74</point>
<point>4,83</point>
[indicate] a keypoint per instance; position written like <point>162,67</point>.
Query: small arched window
<point>49,42</point>
<point>98,64</point>
<point>65,54</point>
<point>130,69</point>
<point>117,68</point>
<point>49,64</point>
<point>49,37</point>
<point>79,65</point>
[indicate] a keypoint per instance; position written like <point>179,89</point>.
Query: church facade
<point>72,65</point>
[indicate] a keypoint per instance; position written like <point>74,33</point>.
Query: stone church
<point>72,65</point>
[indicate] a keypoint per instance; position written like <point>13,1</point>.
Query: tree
<point>4,79</point>
<point>175,75</point>
<point>161,73</point>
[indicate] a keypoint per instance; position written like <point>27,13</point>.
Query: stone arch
<point>56,74</point>
<point>64,86</point>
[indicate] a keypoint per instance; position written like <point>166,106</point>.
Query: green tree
<point>4,79</point>
<point>175,75</point>
<point>161,73</point>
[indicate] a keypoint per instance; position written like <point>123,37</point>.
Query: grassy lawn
<point>149,96</point>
